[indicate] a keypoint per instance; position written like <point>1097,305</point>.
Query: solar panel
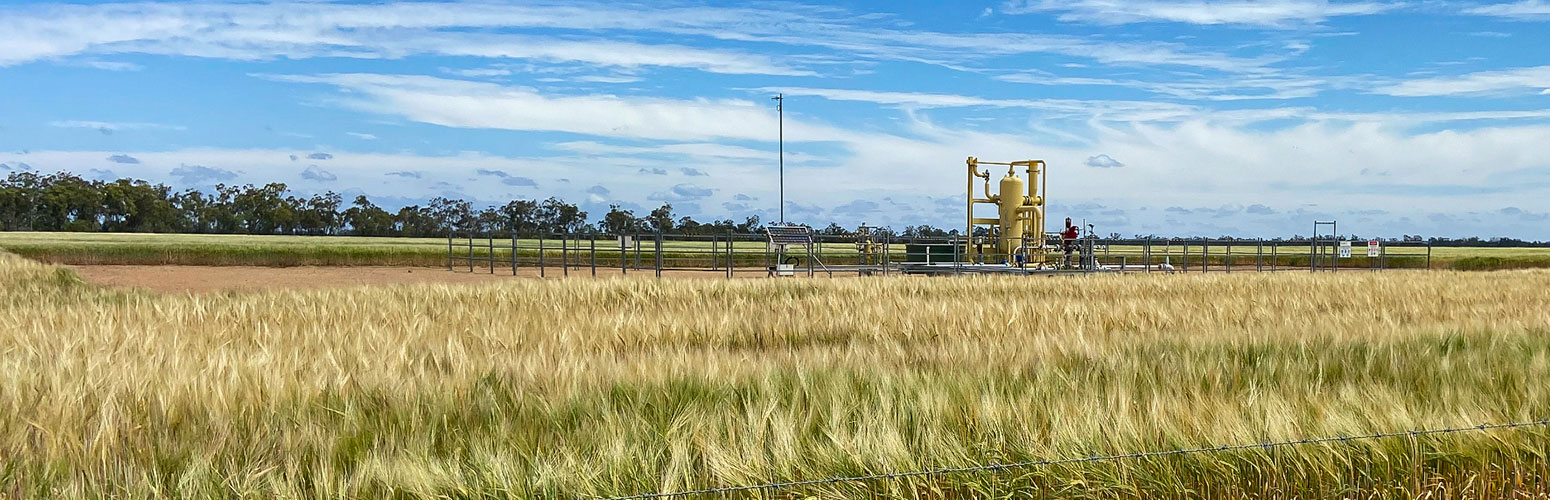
<point>789,235</point>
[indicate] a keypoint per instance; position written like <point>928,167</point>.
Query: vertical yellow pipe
<point>968,228</point>
<point>1031,228</point>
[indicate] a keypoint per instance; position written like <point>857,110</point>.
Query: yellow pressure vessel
<point>1011,224</point>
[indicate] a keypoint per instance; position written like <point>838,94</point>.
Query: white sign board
<point>1372,248</point>
<point>1345,249</point>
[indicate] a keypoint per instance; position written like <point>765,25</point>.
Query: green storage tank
<point>934,253</point>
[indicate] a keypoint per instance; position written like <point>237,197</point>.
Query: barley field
<point>582,388</point>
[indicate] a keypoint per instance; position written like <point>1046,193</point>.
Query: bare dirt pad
<point>227,278</point>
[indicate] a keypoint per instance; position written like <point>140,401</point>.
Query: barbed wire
<point>1415,433</point>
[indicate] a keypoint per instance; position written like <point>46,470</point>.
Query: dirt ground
<point>224,278</point>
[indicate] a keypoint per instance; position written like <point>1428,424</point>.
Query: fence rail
<point>998,467</point>
<point>743,254</point>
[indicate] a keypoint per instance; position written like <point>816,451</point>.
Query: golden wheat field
<point>583,388</point>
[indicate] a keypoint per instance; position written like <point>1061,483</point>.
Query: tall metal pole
<point>780,112</point>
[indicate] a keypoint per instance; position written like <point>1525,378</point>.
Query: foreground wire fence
<point>1528,478</point>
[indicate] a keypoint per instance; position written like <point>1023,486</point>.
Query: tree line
<point>66,202</point>
<point>63,201</point>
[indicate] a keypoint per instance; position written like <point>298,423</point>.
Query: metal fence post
<point>809,246</point>
<point>715,251</point>
<point>1228,262</point>
<point>1313,246</point>
<point>1184,259</point>
<point>1273,256</point>
<point>513,253</point>
<point>731,253</point>
<point>1259,256</point>
<point>1428,255</point>
<point>492,251</point>
<point>541,265</point>
<point>565,254</point>
<point>957,256</point>
<point>449,250</point>
<point>658,254</point>
<point>885,257</point>
<point>815,253</point>
<point>623,258</point>
<point>592,250</point>
<point>470,251</point>
<point>1205,256</point>
<point>1146,256</point>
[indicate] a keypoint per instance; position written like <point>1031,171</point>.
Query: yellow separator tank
<point>1011,224</point>
<point>1018,227</point>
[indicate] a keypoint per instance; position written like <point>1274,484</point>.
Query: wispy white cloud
<point>111,126</point>
<point>469,104</point>
<point>106,65</point>
<point>958,51</point>
<point>605,53</point>
<point>362,136</point>
<point>1094,109</point>
<point>308,30</point>
<point>1257,13</point>
<point>477,72</point>
<point>606,79</point>
<point>1528,10</point>
<point>681,192</point>
<point>1221,88</point>
<point>1503,82</point>
<point>703,150</point>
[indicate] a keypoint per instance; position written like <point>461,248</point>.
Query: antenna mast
<point>780,111</point>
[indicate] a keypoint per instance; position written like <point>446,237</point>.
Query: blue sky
<point>1168,117</point>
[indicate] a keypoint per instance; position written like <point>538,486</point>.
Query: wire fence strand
<point>1267,445</point>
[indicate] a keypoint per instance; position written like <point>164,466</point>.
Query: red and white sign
<point>1372,248</point>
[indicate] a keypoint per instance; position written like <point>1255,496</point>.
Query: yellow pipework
<point>1019,216</point>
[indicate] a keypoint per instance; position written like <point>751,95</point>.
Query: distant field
<point>272,250</point>
<point>1290,254</point>
<point>281,251</point>
<point>578,388</point>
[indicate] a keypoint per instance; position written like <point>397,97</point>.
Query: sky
<point>1167,117</point>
